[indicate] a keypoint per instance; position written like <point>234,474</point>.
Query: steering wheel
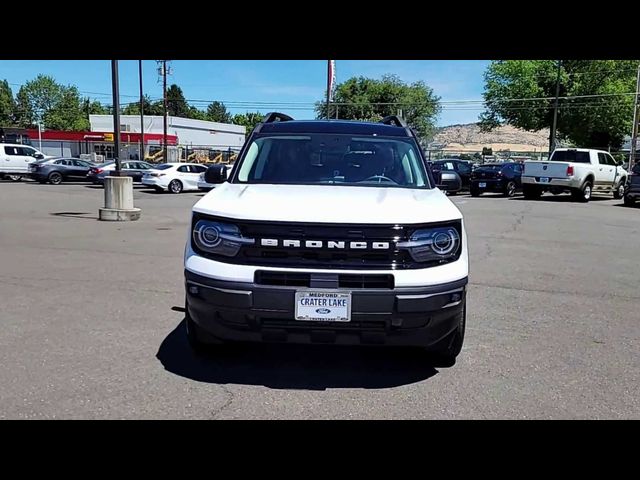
<point>380,177</point>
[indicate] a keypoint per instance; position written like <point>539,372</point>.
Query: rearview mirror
<point>216,174</point>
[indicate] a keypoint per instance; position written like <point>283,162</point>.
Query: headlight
<point>219,238</point>
<point>440,244</point>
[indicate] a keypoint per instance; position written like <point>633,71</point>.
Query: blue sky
<point>296,82</point>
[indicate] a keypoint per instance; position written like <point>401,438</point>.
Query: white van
<point>15,160</point>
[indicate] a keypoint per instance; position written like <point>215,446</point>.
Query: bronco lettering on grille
<point>341,245</point>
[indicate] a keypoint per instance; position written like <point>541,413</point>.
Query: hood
<point>328,204</point>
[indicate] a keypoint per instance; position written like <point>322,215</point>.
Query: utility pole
<point>164,99</point>
<point>552,139</point>
<point>329,74</point>
<point>634,131</point>
<point>141,112</point>
<point>116,115</point>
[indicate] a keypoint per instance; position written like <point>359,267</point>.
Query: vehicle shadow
<point>562,199</point>
<point>82,215</point>
<point>298,367</point>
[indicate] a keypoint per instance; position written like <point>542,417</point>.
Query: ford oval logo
<point>323,311</point>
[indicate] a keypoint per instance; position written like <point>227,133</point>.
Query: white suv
<point>327,232</point>
<point>15,159</point>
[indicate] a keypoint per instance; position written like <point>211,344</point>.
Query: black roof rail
<point>276,117</point>
<point>394,120</point>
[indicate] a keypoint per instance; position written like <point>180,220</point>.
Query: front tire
<point>619,191</point>
<point>175,186</point>
<point>531,192</point>
<point>15,178</point>
<point>475,191</point>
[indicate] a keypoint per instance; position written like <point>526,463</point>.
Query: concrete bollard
<point>118,200</point>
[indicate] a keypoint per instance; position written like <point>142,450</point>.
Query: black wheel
<point>510,189</point>
<point>583,194</point>
<point>175,186</point>
<point>619,191</point>
<point>55,178</point>
<point>629,201</point>
<point>475,191</point>
<point>531,192</point>
<point>15,178</point>
<point>444,353</point>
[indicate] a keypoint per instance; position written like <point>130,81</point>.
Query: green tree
<point>217,112</point>
<point>67,113</point>
<point>94,107</point>
<point>177,105</point>
<point>521,93</point>
<point>197,114</point>
<point>7,105</point>
<point>133,108</point>
<point>371,100</point>
<point>35,98</point>
<point>249,120</point>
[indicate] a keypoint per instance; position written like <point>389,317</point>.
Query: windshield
<point>164,166</point>
<point>570,156</point>
<point>333,159</point>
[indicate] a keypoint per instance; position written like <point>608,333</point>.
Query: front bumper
<point>154,182</point>
<point>204,186</point>
<point>632,191</point>
<point>407,316</point>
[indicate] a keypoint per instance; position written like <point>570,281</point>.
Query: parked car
<point>15,159</point>
<point>174,177</point>
<point>502,178</point>
<point>461,167</point>
<point>203,186</point>
<point>328,232</point>
<point>446,180</point>
<point>580,171</point>
<point>632,188</point>
<point>130,168</point>
<point>59,170</point>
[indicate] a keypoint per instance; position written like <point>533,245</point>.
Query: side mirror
<point>216,174</point>
<point>39,156</point>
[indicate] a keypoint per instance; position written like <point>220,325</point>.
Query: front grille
<point>351,281</point>
<point>326,258</point>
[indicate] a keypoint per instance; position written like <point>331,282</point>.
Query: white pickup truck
<point>580,171</point>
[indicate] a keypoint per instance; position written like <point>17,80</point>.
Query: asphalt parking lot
<point>91,325</point>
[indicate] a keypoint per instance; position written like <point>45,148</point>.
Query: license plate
<point>544,179</point>
<point>323,306</point>
<point>482,185</point>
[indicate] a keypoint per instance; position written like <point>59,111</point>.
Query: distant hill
<point>469,138</point>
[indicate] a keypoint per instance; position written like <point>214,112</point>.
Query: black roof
<point>335,126</point>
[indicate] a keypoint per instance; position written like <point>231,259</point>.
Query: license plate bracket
<point>323,305</point>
